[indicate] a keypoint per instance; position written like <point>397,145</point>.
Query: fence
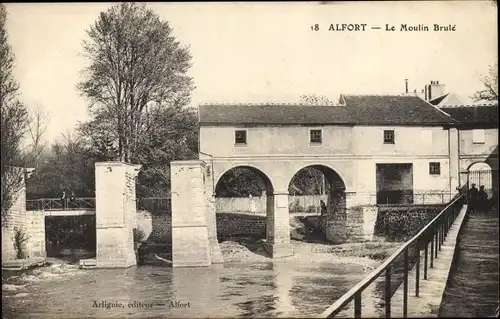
<point>311,203</point>
<point>152,204</point>
<point>296,203</point>
<point>482,178</point>
<point>77,203</point>
<point>431,237</point>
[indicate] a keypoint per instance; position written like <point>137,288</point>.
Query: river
<point>270,289</point>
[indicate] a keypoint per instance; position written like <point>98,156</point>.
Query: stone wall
<point>16,219</point>
<point>400,223</point>
<point>230,225</point>
<point>296,203</point>
<point>355,224</point>
<point>35,229</point>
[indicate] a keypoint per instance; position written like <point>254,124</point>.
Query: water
<point>279,289</point>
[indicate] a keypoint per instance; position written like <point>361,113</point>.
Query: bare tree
<point>136,64</point>
<point>312,99</point>
<point>14,119</point>
<point>490,83</point>
<point>38,124</point>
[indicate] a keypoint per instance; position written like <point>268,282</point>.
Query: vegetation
<point>490,83</point>
<point>312,99</point>
<point>14,121</point>
<point>138,94</point>
<point>139,235</point>
<point>138,69</point>
<point>20,239</point>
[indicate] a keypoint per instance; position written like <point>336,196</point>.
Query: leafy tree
<point>240,182</point>
<point>308,181</point>
<point>490,83</point>
<point>312,99</point>
<point>136,64</point>
<point>170,134</point>
<point>68,166</point>
<point>14,120</point>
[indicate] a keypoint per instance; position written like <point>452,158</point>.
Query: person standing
<point>473,193</point>
<point>252,204</point>
<point>482,198</point>
<point>323,207</point>
<point>63,199</point>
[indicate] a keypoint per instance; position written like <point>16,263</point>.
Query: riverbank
<point>368,254</point>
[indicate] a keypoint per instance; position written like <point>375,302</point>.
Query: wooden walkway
<point>431,290</point>
<point>426,305</point>
<point>472,289</point>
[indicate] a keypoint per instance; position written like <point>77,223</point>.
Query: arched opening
<point>480,176</point>
<point>243,201</point>
<point>314,191</point>
<point>70,237</point>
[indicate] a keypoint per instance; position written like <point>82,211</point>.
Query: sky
<point>266,52</point>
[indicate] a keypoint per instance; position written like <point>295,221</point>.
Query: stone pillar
<point>115,214</point>
<point>35,228</point>
<point>278,226</point>
<point>454,159</point>
<point>190,238</point>
<point>16,217</point>
<point>215,252</point>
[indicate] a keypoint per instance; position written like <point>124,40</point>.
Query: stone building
<point>373,149</point>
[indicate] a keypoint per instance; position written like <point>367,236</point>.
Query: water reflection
<point>279,289</point>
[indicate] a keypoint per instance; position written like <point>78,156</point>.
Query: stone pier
<point>349,220</point>
<point>278,226</point>
<point>193,232</point>
<point>115,214</point>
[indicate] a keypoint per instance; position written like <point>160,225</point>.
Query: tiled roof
<point>474,115</point>
<point>354,109</point>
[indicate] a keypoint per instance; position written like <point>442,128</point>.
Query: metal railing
<point>54,204</point>
<point>155,204</point>
<point>431,237</point>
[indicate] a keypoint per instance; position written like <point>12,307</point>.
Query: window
<point>478,136</point>
<point>388,136</point>
<point>240,137</point>
<point>315,136</point>
<point>435,168</point>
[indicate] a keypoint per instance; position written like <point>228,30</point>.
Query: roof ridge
<point>386,95</point>
<point>437,108</point>
<point>467,105</point>
<point>265,104</point>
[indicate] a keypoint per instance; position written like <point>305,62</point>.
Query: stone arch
<point>268,184</point>
<point>480,173</point>
<point>326,169</point>
<point>335,186</point>
<point>244,212</point>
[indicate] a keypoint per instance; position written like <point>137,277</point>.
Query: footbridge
<point>434,274</point>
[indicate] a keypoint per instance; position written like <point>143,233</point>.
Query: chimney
<point>406,85</point>
<point>434,90</point>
